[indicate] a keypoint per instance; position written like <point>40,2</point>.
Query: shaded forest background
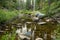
<point>11,8</point>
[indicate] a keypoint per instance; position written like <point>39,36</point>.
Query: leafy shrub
<point>7,15</point>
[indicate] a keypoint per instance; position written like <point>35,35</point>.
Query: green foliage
<point>8,4</point>
<point>51,7</point>
<point>8,37</point>
<point>25,11</point>
<point>7,15</point>
<point>5,37</point>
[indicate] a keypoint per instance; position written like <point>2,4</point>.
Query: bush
<point>7,15</point>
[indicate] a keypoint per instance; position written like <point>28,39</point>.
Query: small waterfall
<point>29,30</point>
<point>45,36</point>
<point>33,35</point>
<point>18,31</point>
<point>24,29</point>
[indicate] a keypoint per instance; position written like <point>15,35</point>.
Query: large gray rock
<point>39,14</point>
